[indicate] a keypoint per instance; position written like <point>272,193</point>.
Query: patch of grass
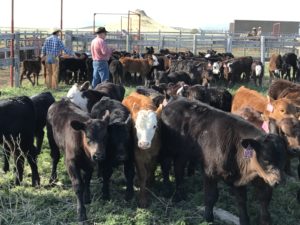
<point>57,205</point>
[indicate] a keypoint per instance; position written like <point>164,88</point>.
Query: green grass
<point>57,205</point>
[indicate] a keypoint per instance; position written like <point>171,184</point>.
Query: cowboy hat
<point>101,30</point>
<point>55,30</point>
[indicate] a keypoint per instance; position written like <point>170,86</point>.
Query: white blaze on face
<point>145,125</point>
<point>155,60</point>
<point>75,96</point>
<point>258,70</point>
<point>216,68</point>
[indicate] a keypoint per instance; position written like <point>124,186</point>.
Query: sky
<point>216,14</point>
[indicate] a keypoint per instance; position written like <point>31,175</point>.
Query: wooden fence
<point>29,44</point>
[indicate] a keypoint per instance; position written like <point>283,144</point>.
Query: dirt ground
<point>5,78</point>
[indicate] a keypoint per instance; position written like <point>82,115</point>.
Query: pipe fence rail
<point>27,45</point>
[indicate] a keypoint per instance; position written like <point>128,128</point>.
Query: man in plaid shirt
<point>51,51</point>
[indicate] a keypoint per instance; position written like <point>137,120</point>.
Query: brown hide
<point>276,109</point>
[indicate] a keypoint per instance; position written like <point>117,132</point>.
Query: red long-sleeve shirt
<point>100,50</point>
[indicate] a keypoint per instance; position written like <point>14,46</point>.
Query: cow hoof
<point>298,196</point>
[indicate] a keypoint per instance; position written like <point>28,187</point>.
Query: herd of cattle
<point>177,118</point>
<point>245,139</point>
<point>150,68</point>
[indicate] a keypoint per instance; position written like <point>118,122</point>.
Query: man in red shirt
<point>100,54</point>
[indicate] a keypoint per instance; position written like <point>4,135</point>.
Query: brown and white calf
<point>146,139</point>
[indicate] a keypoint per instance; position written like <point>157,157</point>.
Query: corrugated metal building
<point>268,27</point>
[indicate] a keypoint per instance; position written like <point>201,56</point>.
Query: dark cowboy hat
<point>101,30</point>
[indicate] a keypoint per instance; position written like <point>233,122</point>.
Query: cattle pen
<point>29,44</point>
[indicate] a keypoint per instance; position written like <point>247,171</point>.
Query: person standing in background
<point>259,30</point>
<point>100,54</point>
<point>50,52</point>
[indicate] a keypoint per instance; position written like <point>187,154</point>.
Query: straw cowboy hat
<point>55,30</point>
<point>101,30</point>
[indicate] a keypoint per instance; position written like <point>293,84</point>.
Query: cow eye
<point>282,110</point>
<point>154,127</point>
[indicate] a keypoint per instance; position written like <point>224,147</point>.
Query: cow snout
<point>144,144</point>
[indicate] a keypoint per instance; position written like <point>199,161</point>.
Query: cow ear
<point>105,117</point>
<point>84,86</point>
<point>77,125</point>
<point>246,143</point>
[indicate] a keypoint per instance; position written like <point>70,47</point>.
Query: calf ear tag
<point>248,152</point>
<point>270,107</point>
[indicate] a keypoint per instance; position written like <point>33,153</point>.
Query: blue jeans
<point>100,73</point>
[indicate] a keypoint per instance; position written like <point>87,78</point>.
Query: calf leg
<point>19,162</point>
<point>39,140</point>
<point>54,152</point>
<point>211,195</point>
<point>6,158</point>
<point>142,176</point>
<point>107,171</point>
<point>32,160</point>
<point>165,167</point>
<point>191,167</point>
<point>241,198</point>
<point>87,176</point>
<point>129,175</point>
<point>78,186</point>
<point>29,78</point>
<point>179,165</point>
<point>22,76</point>
<point>264,195</point>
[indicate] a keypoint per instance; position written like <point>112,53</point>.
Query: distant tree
<point>194,31</point>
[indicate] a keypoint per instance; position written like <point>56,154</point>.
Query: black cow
<point>73,65</point>
<point>238,67</point>
<point>41,102</point>
<point>119,144</point>
<point>257,72</point>
<point>17,119</point>
<point>174,77</point>
<point>227,147</point>
<point>289,61</point>
<point>84,98</point>
<point>116,70</point>
<point>114,91</point>
<point>31,66</point>
<point>82,140</point>
<point>219,98</point>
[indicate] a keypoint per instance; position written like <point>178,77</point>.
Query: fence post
<point>127,43</point>
<point>17,60</point>
<point>229,44</point>
<point>68,39</point>
<point>262,49</point>
<point>194,44</point>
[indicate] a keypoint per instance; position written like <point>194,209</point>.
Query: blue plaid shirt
<point>53,46</point>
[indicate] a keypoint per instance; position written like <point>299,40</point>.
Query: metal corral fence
<point>29,44</point>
